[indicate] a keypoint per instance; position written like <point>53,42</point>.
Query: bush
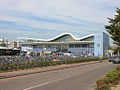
<point>109,80</point>
<point>27,65</point>
<point>101,84</point>
<point>17,66</point>
<point>112,74</point>
<point>80,60</point>
<point>118,68</point>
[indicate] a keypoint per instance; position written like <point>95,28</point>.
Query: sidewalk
<point>43,69</point>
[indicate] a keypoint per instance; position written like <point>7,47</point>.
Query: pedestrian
<point>100,58</point>
<point>30,59</point>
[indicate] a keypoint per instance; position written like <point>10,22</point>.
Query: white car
<point>70,54</point>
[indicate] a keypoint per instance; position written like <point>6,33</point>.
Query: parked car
<point>70,55</point>
<point>116,60</point>
<point>67,54</point>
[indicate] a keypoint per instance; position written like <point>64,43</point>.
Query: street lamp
<point>43,35</point>
<point>43,39</point>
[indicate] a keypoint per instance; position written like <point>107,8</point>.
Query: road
<point>77,78</point>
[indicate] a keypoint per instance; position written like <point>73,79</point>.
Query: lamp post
<point>43,35</point>
<point>43,39</point>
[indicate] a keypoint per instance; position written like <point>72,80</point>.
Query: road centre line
<point>49,82</point>
<point>46,83</point>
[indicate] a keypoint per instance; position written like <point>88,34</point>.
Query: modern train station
<point>92,45</point>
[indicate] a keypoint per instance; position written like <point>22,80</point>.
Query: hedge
<point>18,66</point>
<point>29,65</point>
<point>82,60</point>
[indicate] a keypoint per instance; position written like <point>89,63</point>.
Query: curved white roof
<point>48,40</point>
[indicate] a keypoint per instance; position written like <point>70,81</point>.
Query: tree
<point>114,27</point>
<point>117,50</point>
<point>3,44</point>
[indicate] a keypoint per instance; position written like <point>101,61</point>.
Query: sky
<point>34,18</point>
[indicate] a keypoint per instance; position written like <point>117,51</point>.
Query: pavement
<point>43,69</point>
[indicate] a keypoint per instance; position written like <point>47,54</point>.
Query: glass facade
<point>65,38</point>
<point>76,49</point>
<point>88,39</point>
<point>73,48</point>
<point>79,49</point>
<point>96,44</point>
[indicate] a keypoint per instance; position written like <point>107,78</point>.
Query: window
<point>84,45</point>
<point>77,45</point>
<point>71,46</point>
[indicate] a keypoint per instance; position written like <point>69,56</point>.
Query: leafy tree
<point>3,44</point>
<point>117,50</point>
<point>114,27</point>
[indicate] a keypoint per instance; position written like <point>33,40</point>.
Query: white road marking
<point>46,83</point>
<point>51,82</point>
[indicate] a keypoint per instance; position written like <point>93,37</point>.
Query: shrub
<point>109,80</point>
<point>80,60</point>
<point>111,74</point>
<point>101,84</point>
<point>118,68</point>
<point>26,65</point>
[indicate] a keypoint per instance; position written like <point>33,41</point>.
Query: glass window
<point>84,45</point>
<point>77,45</point>
<point>64,38</point>
<point>91,46</point>
<point>71,46</point>
<point>88,39</point>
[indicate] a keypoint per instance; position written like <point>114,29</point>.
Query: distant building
<point>93,44</point>
<point>14,44</point>
<point>10,48</point>
<point>7,43</point>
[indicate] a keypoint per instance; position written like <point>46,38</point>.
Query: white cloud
<point>46,25</point>
<point>59,9</point>
<point>68,11</point>
<point>81,9</point>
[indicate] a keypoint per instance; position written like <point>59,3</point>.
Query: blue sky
<point>24,18</point>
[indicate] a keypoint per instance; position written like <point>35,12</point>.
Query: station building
<point>93,44</point>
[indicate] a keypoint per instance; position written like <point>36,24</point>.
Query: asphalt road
<point>77,78</point>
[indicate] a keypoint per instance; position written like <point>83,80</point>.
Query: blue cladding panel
<point>101,43</point>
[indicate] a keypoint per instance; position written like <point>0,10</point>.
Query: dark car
<point>111,59</point>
